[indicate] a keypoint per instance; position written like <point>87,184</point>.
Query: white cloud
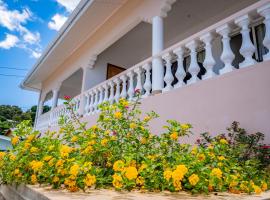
<point>14,21</point>
<point>57,22</point>
<point>70,5</point>
<point>9,42</point>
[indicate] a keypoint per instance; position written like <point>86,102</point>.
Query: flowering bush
<point>121,152</point>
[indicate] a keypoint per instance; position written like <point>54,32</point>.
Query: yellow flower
<point>123,101</point>
<point>36,165</point>
<point>118,166</point>
<point>167,174</point>
<point>16,171</point>
<point>140,181</point>
<point>65,150</point>
<point>233,183</point>
<point>177,185</point>
<point>55,179</point>
<point>27,145</point>
<point>193,179</point>
<point>34,179</point>
<point>182,168</point>
<point>220,164</point>
<point>264,186</point>
<point>34,150</point>
<point>210,147</point>
<point>30,138</point>
<point>132,125</point>
<point>143,140</point>
<point>47,158</point>
<point>185,127</point>
<point>117,181</point>
<point>74,170</point>
<point>59,163</point>
<point>12,157</point>
<point>2,155</point>
<point>104,142</point>
<point>118,115</point>
<point>223,141</point>
<point>15,140</point>
<point>147,118</point>
<point>131,173</point>
<point>174,136</point>
<point>74,138</point>
<point>244,186</point>
<point>194,150</point>
<point>216,172</point>
<point>221,158</point>
<point>257,189</point>
<point>201,157</point>
<point>90,180</point>
<point>142,167</point>
<point>51,162</point>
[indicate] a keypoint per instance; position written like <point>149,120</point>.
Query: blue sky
<point>26,28</point>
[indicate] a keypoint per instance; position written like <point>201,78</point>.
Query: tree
<point>10,116</point>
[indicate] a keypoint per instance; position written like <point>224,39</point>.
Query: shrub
<point>121,152</point>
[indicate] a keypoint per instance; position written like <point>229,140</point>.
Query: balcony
<point>185,66</point>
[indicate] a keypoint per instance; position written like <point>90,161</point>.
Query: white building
<point>199,61</point>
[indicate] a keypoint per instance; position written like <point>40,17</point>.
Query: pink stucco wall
<point>212,105</point>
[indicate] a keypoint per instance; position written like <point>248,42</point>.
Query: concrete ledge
<point>45,193</point>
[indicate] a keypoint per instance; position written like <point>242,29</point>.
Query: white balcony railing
<point>139,77</point>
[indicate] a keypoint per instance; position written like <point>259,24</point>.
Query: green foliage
<point>121,152</point>
<point>244,146</point>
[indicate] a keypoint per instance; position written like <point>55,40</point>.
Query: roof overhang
<point>82,23</point>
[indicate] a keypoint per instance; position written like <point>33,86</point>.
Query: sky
<point>26,28</point>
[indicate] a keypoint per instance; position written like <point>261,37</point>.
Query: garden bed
<point>31,192</point>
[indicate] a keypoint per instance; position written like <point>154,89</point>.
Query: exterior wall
<point>212,105</point>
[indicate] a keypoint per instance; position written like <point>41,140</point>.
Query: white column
<point>247,48</point>
<point>100,95</point>
<point>124,86</point>
<point>87,70</point>
<point>265,12</point>
<point>209,61</point>
<point>180,72</point>
<point>193,68</point>
<point>91,104</point>
<point>55,91</point>
<point>40,107</point>
<point>147,84</point>
<point>168,78</point>
<point>227,55</point>
<point>157,47</point>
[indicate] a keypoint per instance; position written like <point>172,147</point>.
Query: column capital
<point>91,62</point>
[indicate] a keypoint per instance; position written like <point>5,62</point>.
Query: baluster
<point>87,95</point>
<point>147,84</point>
<point>180,72</point>
<point>247,48</point>
<point>193,67</point>
<point>139,87</point>
<point>95,101</point>
<point>168,78</point>
<point>265,12</point>
<point>124,86</point>
<point>111,98</point>
<point>117,92</point>
<point>106,93</point>
<point>209,61</point>
<point>91,105</point>
<point>100,95</point>
<point>131,85</point>
<point>227,55</point>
